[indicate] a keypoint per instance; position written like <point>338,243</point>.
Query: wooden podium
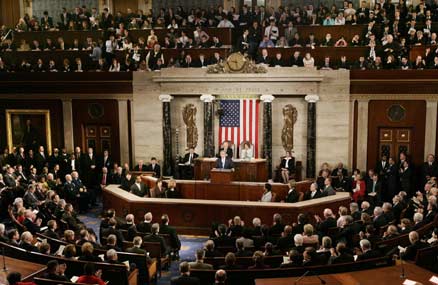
<point>221,176</point>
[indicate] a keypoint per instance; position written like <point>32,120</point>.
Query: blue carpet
<point>189,244</point>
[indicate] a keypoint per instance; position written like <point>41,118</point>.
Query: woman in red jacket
<point>359,188</point>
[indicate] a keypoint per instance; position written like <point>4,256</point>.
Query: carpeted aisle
<point>189,244</point>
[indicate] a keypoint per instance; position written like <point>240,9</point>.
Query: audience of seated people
<point>389,32</point>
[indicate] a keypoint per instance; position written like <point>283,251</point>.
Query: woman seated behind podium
<point>268,196</point>
<point>171,191</point>
<point>246,153</point>
<point>158,191</point>
<point>287,165</point>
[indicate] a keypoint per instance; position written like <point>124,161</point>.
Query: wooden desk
<point>192,216</point>
<point>234,191</point>
<point>254,170</point>
<point>384,275</point>
<point>26,268</point>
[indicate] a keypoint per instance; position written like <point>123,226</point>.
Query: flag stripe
<point>240,122</point>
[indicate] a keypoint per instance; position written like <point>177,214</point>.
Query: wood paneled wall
<point>415,119</point>
<point>82,117</point>
<point>122,5</point>
<point>9,12</point>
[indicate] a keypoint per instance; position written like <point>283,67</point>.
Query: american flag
<point>240,122</point>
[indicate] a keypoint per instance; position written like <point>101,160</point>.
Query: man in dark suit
<point>111,230</point>
<point>341,168</point>
<point>382,166</point>
<point>224,162</point>
<point>189,162</point>
<point>105,160</point>
<point>313,193</point>
<point>410,251</point>
<point>145,226</point>
<point>154,237</point>
<point>429,169</point>
<point>340,255</point>
<point>379,219</point>
<point>155,167</point>
<point>140,166</point>
<point>88,165</point>
<point>374,189</point>
<point>31,223</point>
<point>184,278</point>
<point>286,241</point>
<point>292,195</point>
<point>40,159</point>
<point>26,242</point>
<point>46,21</point>
<point>139,188</point>
<point>165,229</point>
<point>367,252</point>
<point>228,150</point>
<point>328,188</point>
<point>323,226</point>
<point>136,248</point>
<point>51,229</point>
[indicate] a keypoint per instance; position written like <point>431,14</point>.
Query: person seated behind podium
<point>247,152</point>
<point>287,165</point>
<point>139,188</point>
<point>155,167</point>
<point>313,193</point>
<point>328,188</point>
<point>292,195</point>
<point>268,196</point>
<point>226,147</point>
<point>140,166</point>
<point>224,161</point>
<point>190,157</point>
<point>158,191</point>
<point>171,191</point>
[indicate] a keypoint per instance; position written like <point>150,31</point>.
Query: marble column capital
<point>267,98</point>
<point>207,98</point>
<point>311,98</point>
<point>165,98</point>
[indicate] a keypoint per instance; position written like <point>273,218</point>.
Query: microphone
<point>402,275</point>
<point>5,269</point>
<point>323,282</point>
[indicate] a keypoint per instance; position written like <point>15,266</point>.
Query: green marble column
<point>167,136</point>
<point>311,135</point>
<point>267,131</point>
<point>208,125</point>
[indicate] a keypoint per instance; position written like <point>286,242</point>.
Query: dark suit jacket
<point>142,168</point>
<point>369,255</point>
<point>31,227</point>
<point>229,152</point>
<point>40,161</point>
<point>380,221</point>
<point>157,169</point>
<point>156,238</point>
<point>187,156</point>
<point>142,191</point>
<point>411,250</point>
<point>292,196</point>
<point>28,247</point>
<point>135,249</point>
<point>380,169</point>
<point>290,164</point>
<point>184,280</point>
<point>167,230</point>
<point>118,234</point>
<point>342,258</point>
<point>308,195</point>
<point>285,243</point>
<point>228,163</point>
<point>144,227</point>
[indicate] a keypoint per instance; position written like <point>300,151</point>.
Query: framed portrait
<point>28,128</point>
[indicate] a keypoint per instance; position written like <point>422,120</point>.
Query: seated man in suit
<point>155,167</point>
<point>226,147</point>
<point>224,162</point>
<point>31,223</point>
<point>313,193</point>
<point>328,188</point>
<point>136,247</point>
<point>154,237</point>
<point>367,252</point>
<point>168,230</point>
<point>26,242</point>
<point>51,229</point>
<point>410,252</point>
<point>199,263</point>
<point>139,188</point>
<point>140,166</point>
<point>146,225</point>
<point>189,162</point>
<point>292,195</point>
<point>340,254</point>
<point>184,278</point>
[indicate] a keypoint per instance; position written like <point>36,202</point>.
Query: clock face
<point>236,61</point>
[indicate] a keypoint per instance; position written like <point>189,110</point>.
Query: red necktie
<point>104,179</point>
